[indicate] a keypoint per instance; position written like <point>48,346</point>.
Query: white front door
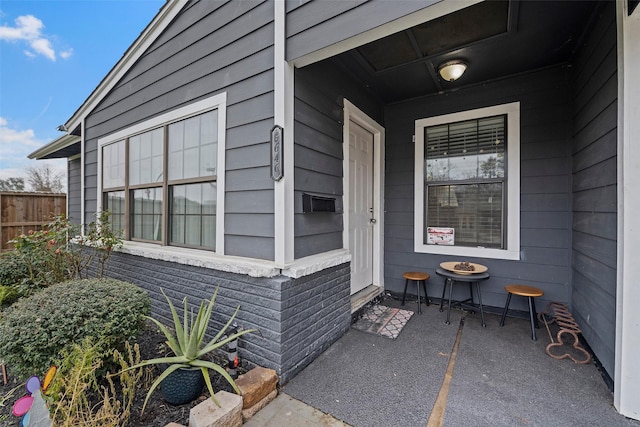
<point>361,218</point>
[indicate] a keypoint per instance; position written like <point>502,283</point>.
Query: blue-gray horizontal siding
<point>318,151</point>
<point>297,319</point>
<point>74,190</point>
<point>209,48</point>
<point>314,25</point>
<point>595,187</point>
<point>545,187</point>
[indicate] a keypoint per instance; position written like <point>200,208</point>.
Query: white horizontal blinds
<point>113,165</point>
<point>465,150</point>
<point>192,162</point>
<point>490,216</point>
<point>492,143</point>
<point>464,180</point>
<point>146,157</point>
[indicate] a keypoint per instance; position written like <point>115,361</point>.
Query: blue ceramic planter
<point>182,386</point>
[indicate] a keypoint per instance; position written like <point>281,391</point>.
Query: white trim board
<point>82,178</point>
<point>239,265</point>
<point>627,348</point>
<point>283,193</point>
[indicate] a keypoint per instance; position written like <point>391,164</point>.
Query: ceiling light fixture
<point>452,70</point>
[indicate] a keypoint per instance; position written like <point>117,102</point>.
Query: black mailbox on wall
<point>311,203</point>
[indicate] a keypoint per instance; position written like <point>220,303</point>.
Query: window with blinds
<point>465,180</point>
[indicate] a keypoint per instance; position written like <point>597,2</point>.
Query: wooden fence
<point>21,212</point>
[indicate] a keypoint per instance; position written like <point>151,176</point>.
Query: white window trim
<point>512,251</point>
<point>218,102</point>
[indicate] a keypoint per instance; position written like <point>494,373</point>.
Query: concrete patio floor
<point>499,377</point>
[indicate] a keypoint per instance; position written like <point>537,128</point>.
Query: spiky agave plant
<point>188,345</point>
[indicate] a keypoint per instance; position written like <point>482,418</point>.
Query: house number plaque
<point>276,153</point>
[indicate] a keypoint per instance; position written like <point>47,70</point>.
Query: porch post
<point>627,352</point>
<point>283,116</point>
<point>83,159</point>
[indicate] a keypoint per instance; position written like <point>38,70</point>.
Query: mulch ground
<point>158,413</point>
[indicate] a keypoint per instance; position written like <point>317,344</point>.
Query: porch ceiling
<point>495,38</point>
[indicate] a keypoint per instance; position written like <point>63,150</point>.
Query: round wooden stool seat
<point>524,290</point>
<point>418,277</point>
<point>415,275</point>
<point>530,292</point>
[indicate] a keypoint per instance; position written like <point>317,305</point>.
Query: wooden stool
<point>417,277</point>
<point>524,291</point>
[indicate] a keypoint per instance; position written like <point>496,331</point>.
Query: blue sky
<point>53,53</point>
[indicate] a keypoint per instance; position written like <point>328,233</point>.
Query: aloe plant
<point>188,345</point>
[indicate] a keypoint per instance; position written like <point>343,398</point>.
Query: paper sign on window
<point>440,236</point>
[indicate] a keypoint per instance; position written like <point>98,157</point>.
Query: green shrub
<point>34,330</point>
<point>13,268</point>
<point>8,295</point>
<point>57,252</point>
<point>46,254</point>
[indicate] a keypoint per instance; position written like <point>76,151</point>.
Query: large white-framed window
<point>467,183</point>
<point>163,179</point>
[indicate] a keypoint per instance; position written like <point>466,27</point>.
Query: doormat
<point>384,321</point>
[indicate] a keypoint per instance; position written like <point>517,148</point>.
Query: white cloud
<point>28,29</point>
<point>43,47</point>
<point>15,146</point>
<point>66,53</point>
<point>12,140</point>
<point>12,137</point>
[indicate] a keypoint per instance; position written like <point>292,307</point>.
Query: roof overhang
<point>428,13</point>
<point>65,146</point>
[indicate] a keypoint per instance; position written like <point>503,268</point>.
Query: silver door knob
<point>372,220</point>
